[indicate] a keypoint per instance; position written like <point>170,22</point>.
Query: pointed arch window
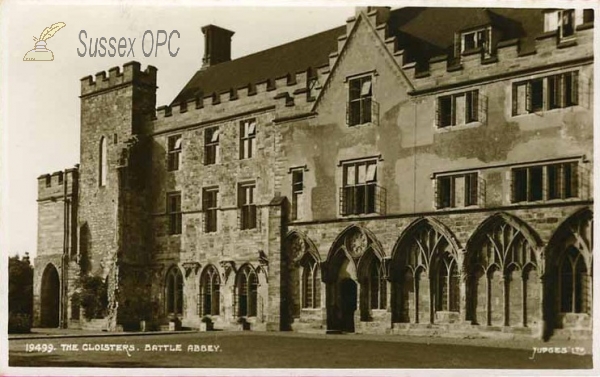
<point>377,285</point>
<point>503,276</point>
<point>247,292</point>
<point>174,291</point>
<point>102,162</point>
<point>210,296</point>
<point>448,281</point>
<point>428,276</point>
<point>311,292</point>
<point>573,282</point>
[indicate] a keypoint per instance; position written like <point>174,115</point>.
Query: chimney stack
<point>217,45</point>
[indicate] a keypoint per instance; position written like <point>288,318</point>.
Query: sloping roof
<point>437,26</point>
<point>296,56</point>
<point>422,32</point>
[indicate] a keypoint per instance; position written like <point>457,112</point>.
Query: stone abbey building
<point>415,171</point>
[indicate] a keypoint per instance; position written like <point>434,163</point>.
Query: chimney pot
<point>217,45</point>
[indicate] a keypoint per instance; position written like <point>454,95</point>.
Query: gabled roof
<point>422,32</point>
<point>296,56</point>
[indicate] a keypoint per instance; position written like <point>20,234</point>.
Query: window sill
<point>366,124</point>
<point>360,215</point>
<point>567,42</point>
<point>248,230</point>
<point>459,127</point>
<point>548,201</point>
<point>473,206</point>
<point>541,113</point>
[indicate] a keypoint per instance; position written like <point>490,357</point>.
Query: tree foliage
<point>20,285</point>
<point>92,296</point>
<point>20,294</point>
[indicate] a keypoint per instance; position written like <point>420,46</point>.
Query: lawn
<point>252,350</point>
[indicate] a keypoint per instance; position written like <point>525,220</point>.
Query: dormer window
<point>565,21</point>
<point>477,39</point>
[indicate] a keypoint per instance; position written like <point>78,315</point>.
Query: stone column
<point>277,269</point>
<point>539,333</point>
<point>323,304</point>
<point>388,296</point>
<point>357,312</point>
<point>464,280</point>
<point>524,300</point>
<point>505,292</point>
<point>233,312</point>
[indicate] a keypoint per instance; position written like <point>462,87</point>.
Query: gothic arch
<point>246,291</point>
<point>303,274</point>
<point>50,297</point>
<point>502,268</point>
<point>425,274</point>
<point>350,262</point>
<point>436,225</point>
<point>530,235</point>
<point>568,283</point>
<point>576,230</point>
<point>298,244</point>
<point>210,286</point>
<point>174,290</point>
<point>355,241</point>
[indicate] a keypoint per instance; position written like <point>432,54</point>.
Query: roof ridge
<point>287,43</point>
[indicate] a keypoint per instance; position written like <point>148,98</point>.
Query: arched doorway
<point>348,296</point>
<point>342,295</point>
<point>356,285</point>
<point>50,298</point>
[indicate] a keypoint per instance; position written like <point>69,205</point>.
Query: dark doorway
<point>50,298</point>
<point>347,304</point>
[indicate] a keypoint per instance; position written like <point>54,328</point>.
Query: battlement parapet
<point>117,77</point>
<point>474,64</point>
<point>509,56</point>
<point>291,89</point>
<point>52,186</point>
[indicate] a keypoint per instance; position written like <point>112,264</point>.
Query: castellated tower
<point>56,266</point>
<point>113,217</point>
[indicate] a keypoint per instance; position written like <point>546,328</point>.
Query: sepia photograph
<point>203,188</point>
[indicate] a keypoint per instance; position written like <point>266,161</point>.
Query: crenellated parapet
<point>508,57</point>
<point>118,77</point>
<point>294,90</point>
<point>58,184</point>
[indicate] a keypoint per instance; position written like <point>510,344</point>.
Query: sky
<point>40,119</point>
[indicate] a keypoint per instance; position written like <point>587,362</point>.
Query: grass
<point>253,350</point>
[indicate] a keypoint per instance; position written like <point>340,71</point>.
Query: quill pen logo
<point>40,52</point>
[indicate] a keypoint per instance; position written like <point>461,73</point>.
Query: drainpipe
<point>65,258</point>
